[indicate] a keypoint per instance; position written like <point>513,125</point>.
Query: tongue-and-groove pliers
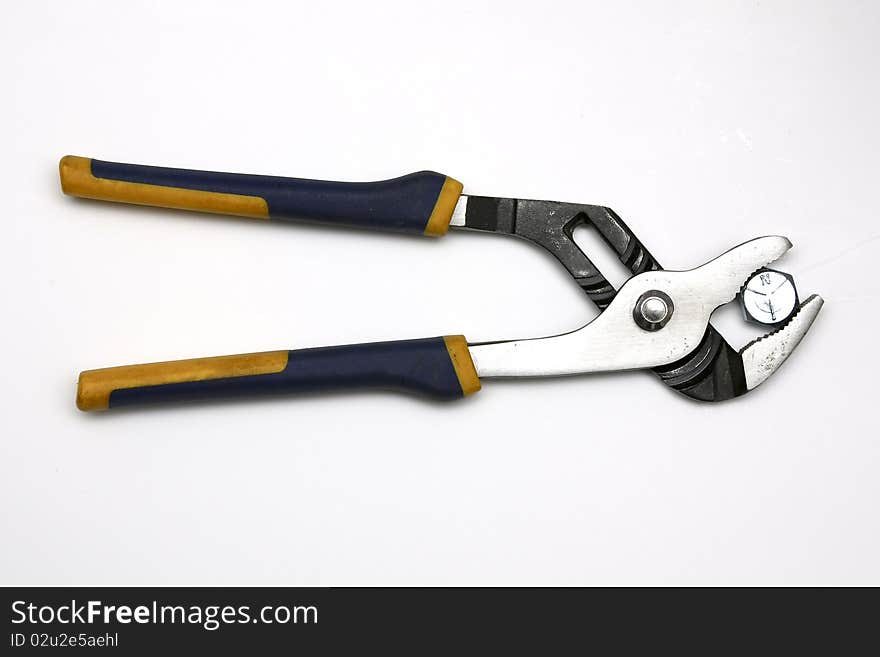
<point>658,320</point>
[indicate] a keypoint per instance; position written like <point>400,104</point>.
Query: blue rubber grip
<point>421,366</point>
<point>402,204</point>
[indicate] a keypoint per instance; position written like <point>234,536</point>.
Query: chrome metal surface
<point>763,356</point>
<point>654,309</point>
<point>460,211</point>
<point>613,341</point>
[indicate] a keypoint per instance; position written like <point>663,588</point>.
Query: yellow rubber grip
<point>438,224</point>
<point>95,386</point>
<point>77,180</point>
<point>460,355</point>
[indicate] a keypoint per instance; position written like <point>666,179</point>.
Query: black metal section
<point>712,372</point>
<point>550,224</point>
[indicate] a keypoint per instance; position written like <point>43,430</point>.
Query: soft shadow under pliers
<point>658,319</point>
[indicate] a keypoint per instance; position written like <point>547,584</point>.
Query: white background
<point>702,124</point>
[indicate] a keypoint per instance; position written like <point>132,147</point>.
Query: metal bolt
<point>769,297</point>
<point>653,310</point>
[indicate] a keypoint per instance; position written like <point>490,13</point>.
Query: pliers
<point>659,319</point>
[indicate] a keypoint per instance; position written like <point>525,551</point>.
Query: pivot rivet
<point>653,310</point>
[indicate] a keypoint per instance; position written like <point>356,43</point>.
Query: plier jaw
<point>657,320</point>
<point>713,370</point>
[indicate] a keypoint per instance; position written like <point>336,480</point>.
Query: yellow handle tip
<point>77,180</point>
<point>75,171</point>
<point>91,393</point>
<point>96,386</point>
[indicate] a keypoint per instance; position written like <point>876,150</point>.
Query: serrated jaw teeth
<point>762,357</point>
